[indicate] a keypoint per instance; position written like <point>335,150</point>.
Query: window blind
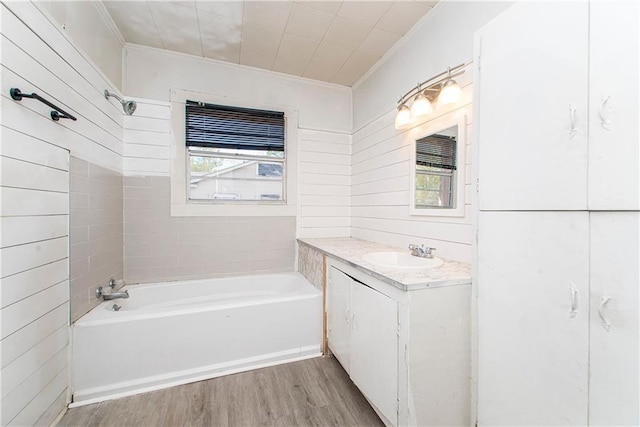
<point>220,126</point>
<point>438,151</point>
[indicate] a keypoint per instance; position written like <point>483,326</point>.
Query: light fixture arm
<point>430,83</point>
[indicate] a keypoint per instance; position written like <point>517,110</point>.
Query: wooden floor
<point>313,392</point>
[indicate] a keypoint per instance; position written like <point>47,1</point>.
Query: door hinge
<point>477,236</point>
<point>398,330</point>
<point>477,185</point>
<point>398,406</point>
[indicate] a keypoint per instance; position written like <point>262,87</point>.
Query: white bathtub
<point>179,332</point>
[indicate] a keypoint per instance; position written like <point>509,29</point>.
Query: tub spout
<point>115,295</point>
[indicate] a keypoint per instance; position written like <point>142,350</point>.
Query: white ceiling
<point>331,41</point>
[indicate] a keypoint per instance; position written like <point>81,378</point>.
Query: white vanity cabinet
<point>363,335</point>
<point>407,351</point>
<point>557,107</point>
<point>339,315</point>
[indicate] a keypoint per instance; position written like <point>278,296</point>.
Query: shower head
<point>128,106</point>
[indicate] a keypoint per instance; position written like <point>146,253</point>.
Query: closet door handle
<point>603,305</point>
<point>572,117</point>
<point>604,120</point>
<point>574,301</point>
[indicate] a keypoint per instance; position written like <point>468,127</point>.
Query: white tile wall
<point>95,221</point>
<point>159,247</point>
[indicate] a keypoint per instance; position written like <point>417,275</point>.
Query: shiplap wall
<point>381,178</point>
<point>324,165</point>
<point>37,57</point>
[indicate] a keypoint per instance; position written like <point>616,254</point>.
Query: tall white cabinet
<point>557,253</point>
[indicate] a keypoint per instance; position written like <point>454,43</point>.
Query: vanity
<point>399,325</point>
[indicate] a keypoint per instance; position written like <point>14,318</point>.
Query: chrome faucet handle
<point>428,252</point>
<point>415,249</point>
<point>112,283</point>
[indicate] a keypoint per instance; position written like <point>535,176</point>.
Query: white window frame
<point>181,206</point>
<point>438,125</point>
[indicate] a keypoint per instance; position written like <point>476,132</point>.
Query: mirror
<point>438,171</point>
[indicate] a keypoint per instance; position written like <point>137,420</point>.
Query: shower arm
<point>107,95</point>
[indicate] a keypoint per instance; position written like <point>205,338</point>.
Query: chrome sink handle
<point>421,251</point>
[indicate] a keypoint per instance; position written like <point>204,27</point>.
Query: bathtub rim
<point>96,316</point>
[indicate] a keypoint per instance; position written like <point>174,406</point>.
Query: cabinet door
<point>533,318</point>
<point>532,107</point>
<point>339,316</point>
<point>374,348</point>
<point>614,139</point>
<point>615,277</point>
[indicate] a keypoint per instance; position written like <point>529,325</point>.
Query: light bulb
<point>403,117</point>
<point>449,93</point>
<point>421,107</point>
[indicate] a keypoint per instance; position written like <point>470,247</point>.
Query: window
<point>225,196</point>
<point>235,153</point>
<point>435,168</point>
<point>438,182</point>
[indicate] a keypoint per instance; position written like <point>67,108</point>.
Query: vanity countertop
<point>350,251</point>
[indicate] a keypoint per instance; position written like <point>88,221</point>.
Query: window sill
<point>208,209</point>
<point>457,212</point>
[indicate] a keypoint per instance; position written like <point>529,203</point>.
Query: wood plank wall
<point>34,187</point>
<point>381,181</point>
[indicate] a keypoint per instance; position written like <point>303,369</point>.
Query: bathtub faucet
<point>115,295</point>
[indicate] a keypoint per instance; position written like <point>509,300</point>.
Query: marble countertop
<point>350,250</point>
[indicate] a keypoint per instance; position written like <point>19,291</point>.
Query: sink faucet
<point>421,251</point>
<point>115,295</point>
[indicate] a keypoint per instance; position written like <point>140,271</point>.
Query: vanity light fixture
<point>403,117</point>
<point>450,91</point>
<point>421,106</point>
<point>441,87</point>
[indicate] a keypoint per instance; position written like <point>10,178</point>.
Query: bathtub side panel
<point>140,354</point>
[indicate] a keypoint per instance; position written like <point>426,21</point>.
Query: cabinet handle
<point>604,120</point>
<point>574,301</point>
<point>603,304</point>
<point>346,315</point>
<point>572,116</point>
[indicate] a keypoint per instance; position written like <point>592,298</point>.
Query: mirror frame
<point>434,126</point>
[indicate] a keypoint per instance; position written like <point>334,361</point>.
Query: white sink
<point>400,260</point>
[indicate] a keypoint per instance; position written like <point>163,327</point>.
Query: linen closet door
<point>532,107</point>
<point>614,399</point>
<point>614,89</point>
<point>533,318</point>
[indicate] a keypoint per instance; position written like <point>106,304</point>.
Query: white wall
<point>90,27</point>
<point>444,38</point>
<point>150,73</point>
<point>324,121</point>
<point>381,155</point>
<point>37,57</point>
